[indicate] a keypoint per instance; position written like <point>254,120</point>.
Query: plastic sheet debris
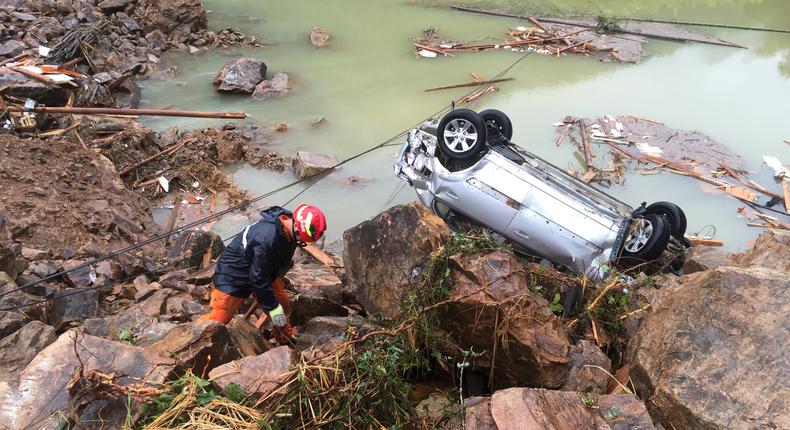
<point>780,171</point>
<point>164,183</point>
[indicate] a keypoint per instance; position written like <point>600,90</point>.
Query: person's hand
<point>278,316</point>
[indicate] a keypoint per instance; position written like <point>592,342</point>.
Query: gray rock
<point>97,326</point>
<point>78,278</point>
<point>20,347</point>
<point>277,86</point>
<point>319,37</point>
<point>143,289</point>
<point>588,369</point>
<point>11,48</point>
<point>157,40</point>
<point>241,75</point>
<point>131,24</point>
<point>76,304</point>
<point>112,6</point>
<point>308,164</point>
<point>8,262</point>
<point>11,322</point>
<point>31,254</point>
<point>24,16</point>
<point>321,331</point>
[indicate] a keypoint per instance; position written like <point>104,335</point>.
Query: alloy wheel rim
<point>640,234</point>
<point>460,135</point>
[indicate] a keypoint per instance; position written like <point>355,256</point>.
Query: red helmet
<point>310,222</point>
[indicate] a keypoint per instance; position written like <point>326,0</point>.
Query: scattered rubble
<point>663,149</point>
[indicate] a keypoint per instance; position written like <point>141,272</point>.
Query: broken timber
<point>469,84</point>
<point>166,151</point>
<point>578,23</point>
<point>135,112</point>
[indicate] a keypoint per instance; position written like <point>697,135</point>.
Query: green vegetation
<point>127,336</point>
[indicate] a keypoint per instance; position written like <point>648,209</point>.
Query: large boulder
<point>383,256</point>
<point>241,75</point>
<point>492,311</point>
<point>772,250</point>
<point>539,409</point>
<point>20,347</point>
<point>198,346</point>
<point>306,164</point>
<point>258,374</point>
<point>40,395</point>
<point>713,354</point>
<point>319,291</point>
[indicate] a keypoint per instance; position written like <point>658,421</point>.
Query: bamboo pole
<point>139,112</point>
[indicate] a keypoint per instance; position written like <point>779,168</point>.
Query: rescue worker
<point>256,261</point>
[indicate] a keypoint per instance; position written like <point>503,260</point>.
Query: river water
<point>369,86</point>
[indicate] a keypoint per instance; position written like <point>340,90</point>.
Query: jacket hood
<point>274,212</point>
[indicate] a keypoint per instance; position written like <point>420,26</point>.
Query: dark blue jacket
<point>257,256</point>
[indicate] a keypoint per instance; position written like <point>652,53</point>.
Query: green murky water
<point>369,86</point>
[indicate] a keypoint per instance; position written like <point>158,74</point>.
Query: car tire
<point>497,120</point>
<point>461,134</point>
<point>673,213</point>
<point>646,240</point>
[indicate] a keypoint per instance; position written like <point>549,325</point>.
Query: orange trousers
<point>224,307</point>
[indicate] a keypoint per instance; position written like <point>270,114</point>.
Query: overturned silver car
<point>466,165</point>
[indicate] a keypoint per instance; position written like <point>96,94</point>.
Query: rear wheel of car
<point>461,134</point>
<point>673,213</point>
<point>496,120</point>
<point>646,240</point>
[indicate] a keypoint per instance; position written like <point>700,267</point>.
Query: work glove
<point>278,316</point>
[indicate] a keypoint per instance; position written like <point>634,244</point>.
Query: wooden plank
<point>320,255</point>
<point>469,84</point>
<point>537,23</point>
<point>560,139</point>
<point>701,241</point>
<point>641,118</point>
<point>585,145</point>
<point>787,196</point>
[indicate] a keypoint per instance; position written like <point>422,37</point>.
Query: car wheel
<point>497,120</point>
<point>461,134</point>
<point>646,240</point>
<point>673,213</point>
